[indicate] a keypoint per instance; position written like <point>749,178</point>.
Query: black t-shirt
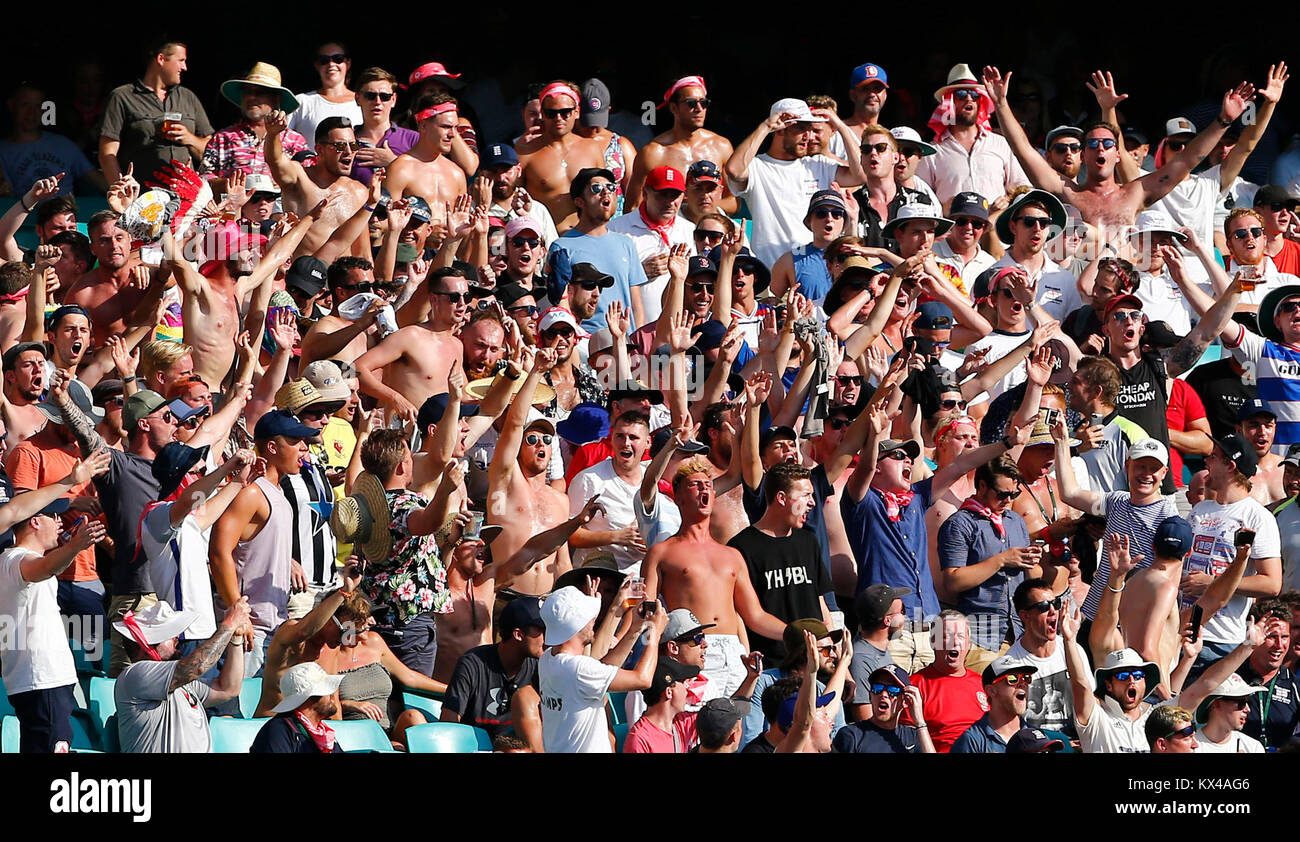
<point>759,745</point>
<point>788,577</point>
<point>1143,400</point>
<point>755,502</point>
<point>480,690</point>
<point>867,738</point>
<point>1223,392</point>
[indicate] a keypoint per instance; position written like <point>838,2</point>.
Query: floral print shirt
<point>413,580</point>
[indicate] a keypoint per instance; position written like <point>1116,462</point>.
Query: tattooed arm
<point>1185,354</point>
<point>209,652</point>
<point>82,428</point>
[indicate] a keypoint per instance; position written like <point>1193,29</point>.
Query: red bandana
<point>695,689</point>
<point>973,505</point>
<point>895,502</point>
<point>128,620</point>
<point>321,734</point>
<point>659,228</point>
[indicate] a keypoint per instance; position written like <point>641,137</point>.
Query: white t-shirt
<point>1000,344</point>
<point>184,582</point>
<point>1192,202</point>
<point>649,244</point>
<point>313,109</point>
<point>1051,701</point>
<point>1214,526</point>
<point>1162,301</point>
<point>778,193</point>
<point>1236,743</point>
<point>34,652</point>
<point>1270,280</point>
<point>1109,731</point>
<point>616,497</point>
<point>1055,289</point>
<point>573,689</point>
<point>1288,525</point>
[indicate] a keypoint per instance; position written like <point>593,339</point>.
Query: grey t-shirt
<point>866,660</point>
<point>126,488</point>
<point>152,721</point>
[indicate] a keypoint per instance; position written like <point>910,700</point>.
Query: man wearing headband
<point>428,170</point>
<point>550,161</point>
<point>336,148</point>
<point>687,100</point>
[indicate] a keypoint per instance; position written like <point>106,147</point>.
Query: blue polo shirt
<point>966,538</point>
<point>614,254</point>
<point>980,738</point>
<point>892,552</point>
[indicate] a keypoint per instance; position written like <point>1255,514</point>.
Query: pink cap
<point>523,223</point>
<point>431,70</point>
<point>221,242</point>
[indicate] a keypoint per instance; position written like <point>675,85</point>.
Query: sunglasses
<point>331,58</point>
<point>530,309</point>
<point>193,423</point>
<point>1243,233</point>
<point>700,286</point>
<point>952,403</point>
<point>1125,675</point>
<point>524,242</point>
<point>168,417</point>
<point>1122,316</point>
<point>878,148</point>
<point>909,151</point>
<point>694,102</point>
<point>1288,306</point>
<point>1062,148</point>
<point>1175,145</point>
<point>1007,495</point>
<point>377,95</point>
<point>840,423</point>
<point>263,197</point>
<point>1103,142</point>
<point>1045,605</point>
<point>1014,678</point>
<point>587,285</point>
<point>964,94</point>
<point>117,401</point>
<point>694,640</point>
<point>1043,222</point>
<point>710,236</point>
<point>896,455</point>
<point>849,379</point>
<point>828,213</point>
<point>1276,207</point>
<point>976,224</point>
<point>344,146</point>
<point>533,439</point>
<point>891,689</point>
<point>1186,731</point>
<point>558,331</point>
<point>455,297</point>
<point>563,113</point>
<point>602,188</point>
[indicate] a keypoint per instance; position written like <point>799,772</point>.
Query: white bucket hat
<point>1233,687</point>
<point>907,134</point>
<point>155,623</point>
<point>302,682</point>
<point>567,612</point>
<point>1126,659</point>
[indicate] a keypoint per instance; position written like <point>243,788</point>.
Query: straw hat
<point>262,75</point>
<point>478,389</point>
<point>960,76</point>
<point>297,395</point>
<point>363,517</point>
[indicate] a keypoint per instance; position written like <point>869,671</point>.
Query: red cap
<point>666,178</point>
<point>429,71</point>
<point>1119,301</point>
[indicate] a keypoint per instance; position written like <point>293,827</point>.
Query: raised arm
<point>284,169</point>
<point>851,175</point>
<point>14,218</point>
<point>81,427</point>
<point>737,167</point>
<point>1271,93</point>
<point>1036,167</point>
<point>969,460</point>
<point>1088,502</point>
<point>1219,671</point>
<point>1103,88</point>
<point>505,458</point>
<point>197,492</point>
<point>1217,321</point>
<point>860,479</point>
<point>539,547</point>
<point>751,466</point>
<point>40,568</point>
<point>1105,636</point>
<point>207,654</point>
<point>1157,185</point>
<point>1077,668</point>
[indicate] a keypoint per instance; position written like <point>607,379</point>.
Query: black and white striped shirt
<point>310,500</point>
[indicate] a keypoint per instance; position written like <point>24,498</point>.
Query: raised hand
<point>521,202</point>
<point>679,258</point>
<point>276,122</point>
<point>284,329</point>
<point>1122,560</point>
<point>124,191</point>
<point>879,419</point>
<point>753,663</point>
<point>590,510</point>
<point>617,320</point>
<point>973,362</point>
<point>399,215</point>
<point>1103,88</point>
<point>88,534</point>
<point>684,434</point>
<point>482,190</point>
<point>768,336</point>
<point>1039,366</point>
<point>1234,101</point>
<point>779,121</point>
<point>1277,76</point>
<point>544,359</point>
<point>996,85</point>
<point>43,189</point>
<point>731,341</point>
<point>757,388</point>
<point>46,256</point>
<point>126,362</point>
<point>876,363</point>
<point>460,220</point>
<point>83,470</point>
<point>679,333</point>
<point>732,243</point>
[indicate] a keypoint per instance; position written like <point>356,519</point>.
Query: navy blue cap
<point>708,335</point>
<point>771,434</point>
<point>933,315</point>
<point>585,176</point>
<point>703,171</point>
<point>67,309</point>
<point>894,672</point>
<point>432,410</point>
<point>420,212</point>
<point>699,265</point>
<point>1240,452</point>
<point>56,507</point>
<point>969,204</point>
<point>1173,538</point>
<point>499,155</point>
<point>520,614</point>
<point>762,276</point>
<point>1254,407</point>
<point>1032,741</point>
<point>1134,134</point>
<point>826,199</point>
<point>587,422</point>
<point>172,463</point>
<point>184,411</point>
<point>277,422</point>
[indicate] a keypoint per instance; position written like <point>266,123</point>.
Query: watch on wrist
<point>1006,442</point>
<point>1223,122</point>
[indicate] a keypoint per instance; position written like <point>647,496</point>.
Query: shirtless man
<point>473,581</point>
<point>16,280</point>
<point>336,148</point>
<point>691,570</point>
<point>213,295</point>
<point>1104,203</point>
<point>1258,426</point>
<point>68,336</point>
<point>718,429</point>
<point>333,337</point>
<point>1146,610</point>
<point>416,359</point>
<point>24,384</point>
<point>115,287</point>
<point>685,143</point>
<point>427,170</point>
<point>550,161</point>
<point>519,497</point>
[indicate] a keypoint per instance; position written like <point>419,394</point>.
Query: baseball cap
<point>557,316</point>
<point>434,70</point>
<point>1159,335</point>
<point>1273,194</point>
<point>499,155</point>
<point>1238,451</point>
<point>910,447</point>
<point>665,178</point>
<point>594,108</point>
<point>778,432</point>
<point>785,717</point>
<point>891,672</point>
<point>864,73</point>
<point>565,612</point>
<point>11,356</point>
<point>1127,300</point>
<point>183,411</point>
<point>1032,741</point>
<point>708,335</point>
<point>508,294</point>
<point>523,223</point>
<point>172,463</point>
<point>584,178</point>
<point>700,265</point>
<point>588,272</point>
<point>796,108</point>
<point>792,637</point>
<point>659,441</point>
<point>520,614</point>
<point>1292,456</point>
<point>1173,537</point>
<point>826,199</point>
<point>256,182</point>
<point>1148,447</point>
<point>302,682</point>
<point>1063,131</point>
<point>717,717</point>
<point>1179,125</point>
<point>328,380</point>
<point>435,406</point>
<point>668,672</point>
<point>969,204</point>
<point>143,403</point>
<point>933,315</point>
<point>1003,665</point>
<point>1254,407</point>
<point>703,171</point>
<point>307,275</point>
<point>1135,135</point>
<point>682,622</point>
<point>106,389</point>
<point>277,422</point>
<point>873,604</point>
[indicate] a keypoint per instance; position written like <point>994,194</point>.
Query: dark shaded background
<point>748,63</point>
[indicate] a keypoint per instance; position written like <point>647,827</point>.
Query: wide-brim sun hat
<point>1055,210</point>
<point>262,75</point>
<point>917,210</point>
<point>1268,310</point>
<point>478,389</point>
<point>362,518</point>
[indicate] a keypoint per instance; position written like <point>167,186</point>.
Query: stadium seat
<point>429,706</point>
<point>618,705</point>
<point>249,695</point>
<point>9,740</point>
<point>101,708</point>
<point>85,735</point>
<point>234,736</point>
<point>361,735</point>
<point>442,738</point>
<point>620,736</point>
<point>6,709</point>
